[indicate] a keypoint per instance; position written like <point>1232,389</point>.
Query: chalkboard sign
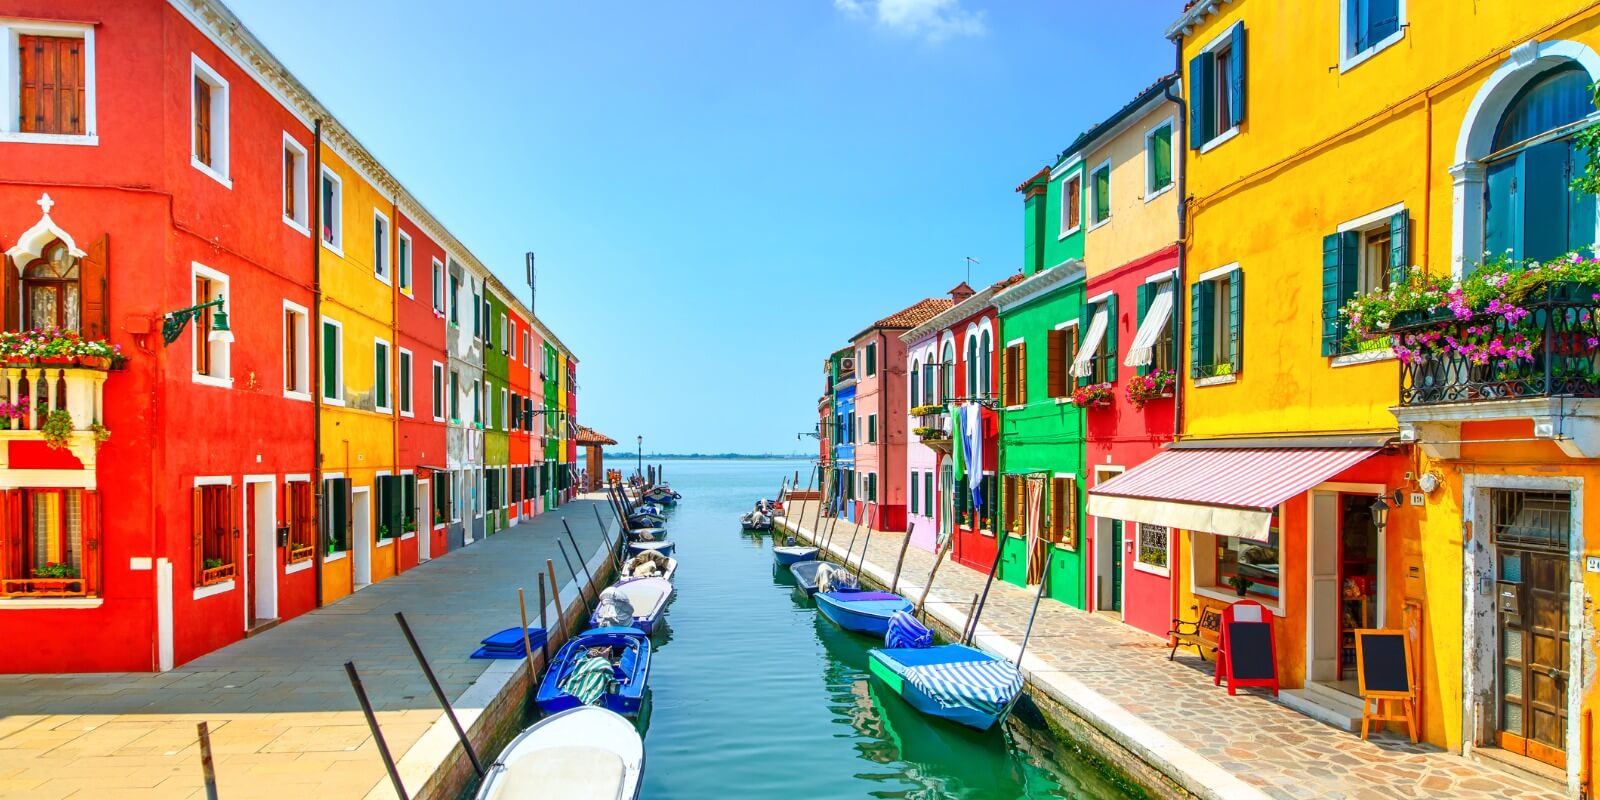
<point>1250,652</point>
<point>1383,663</point>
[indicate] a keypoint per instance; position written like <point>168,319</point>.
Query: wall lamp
<point>173,322</point>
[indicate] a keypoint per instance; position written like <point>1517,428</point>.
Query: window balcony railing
<point>42,587</point>
<point>1550,352</point>
<point>30,394</point>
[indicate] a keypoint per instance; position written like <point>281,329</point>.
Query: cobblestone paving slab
<point>283,718</point>
<point>1267,745</point>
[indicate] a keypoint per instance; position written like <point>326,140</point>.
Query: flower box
<point>42,587</point>
<point>299,554</point>
<point>216,575</point>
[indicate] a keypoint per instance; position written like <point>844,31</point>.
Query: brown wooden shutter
<point>12,549</point>
<point>94,277</point>
<point>11,293</point>
<point>1069,505</point>
<point>234,516</point>
<point>91,540</point>
<point>70,87</point>
<point>202,121</point>
<point>1056,366</point>
<point>30,51</point>
<point>1021,388</point>
<point>199,524</point>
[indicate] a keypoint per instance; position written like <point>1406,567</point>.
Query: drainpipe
<point>1180,303</point>
<point>314,189</point>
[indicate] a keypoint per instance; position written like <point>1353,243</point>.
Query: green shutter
<point>409,504</point>
<point>1111,339</point>
<point>1236,76</point>
<point>1399,247</point>
<point>913,492</point>
<point>330,361</point>
<point>1236,319</point>
<point>1202,69</point>
<point>1142,296</point>
<point>1341,252</point>
<point>1200,344</point>
<point>1084,317</point>
<point>927,493</point>
<point>1160,155</point>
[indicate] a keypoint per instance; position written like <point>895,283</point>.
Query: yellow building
<point>1332,146</point>
<point>357,362</point>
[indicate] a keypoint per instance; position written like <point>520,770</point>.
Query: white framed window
<point>403,378</point>
<point>505,410</point>
<point>402,263</point>
<point>212,348</point>
<point>511,341</point>
<point>1158,161</point>
<point>296,204</point>
<point>527,348</point>
<point>70,47</point>
<point>438,287</point>
<point>332,362</point>
<point>380,376</point>
<point>330,195</point>
<point>1071,204</point>
<point>296,351</point>
<point>1100,195</point>
<point>438,392</point>
<point>208,121</point>
<point>1151,548</point>
<point>1217,81</point>
<point>1367,27</point>
<point>505,331</point>
<point>380,246</point>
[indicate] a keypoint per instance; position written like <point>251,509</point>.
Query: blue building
<point>845,431</point>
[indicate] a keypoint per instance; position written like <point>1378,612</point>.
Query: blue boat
<point>645,518</point>
<point>664,547</point>
<point>953,681</point>
<point>580,752</point>
<point>647,534</point>
<point>632,670</point>
<point>793,554</point>
<point>862,612</point>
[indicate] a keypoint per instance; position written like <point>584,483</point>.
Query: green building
<point>496,427</point>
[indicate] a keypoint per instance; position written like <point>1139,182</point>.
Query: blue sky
<point>721,193</point>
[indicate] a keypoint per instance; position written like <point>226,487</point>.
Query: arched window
<point>927,379</point>
<point>916,374</point>
<point>50,289</point>
<point>985,353</point>
<point>1530,208</point>
<point>948,364</point>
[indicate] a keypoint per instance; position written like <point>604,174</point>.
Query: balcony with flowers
<point>932,426</point>
<point>51,391</point>
<point>1515,339</point>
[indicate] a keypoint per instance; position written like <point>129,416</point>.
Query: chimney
<point>961,292</point>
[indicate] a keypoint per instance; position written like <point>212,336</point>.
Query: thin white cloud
<point>932,20</point>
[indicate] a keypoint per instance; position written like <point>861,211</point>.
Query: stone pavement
<point>1168,712</point>
<point>282,715</point>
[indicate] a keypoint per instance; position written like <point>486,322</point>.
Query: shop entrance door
<point>1532,535</point>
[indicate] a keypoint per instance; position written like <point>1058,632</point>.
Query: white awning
<point>1083,362</point>
<point>1155,321</point>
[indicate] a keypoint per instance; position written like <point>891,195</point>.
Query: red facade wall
<point>519,440</point>
<point>420,437</point>
<point>974,547</point>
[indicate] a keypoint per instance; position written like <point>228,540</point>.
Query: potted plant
<point>213,563</point>
<point>57,428</point>
<point>1144,388</point>
<point>1241,585</point>
<point>383,531</point>
<point>1094,395</point>
<point>410,527</point>
<point>53,570</point>
<point>102,434</point>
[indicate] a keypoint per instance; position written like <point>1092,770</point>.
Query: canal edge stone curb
<point>1193,774</point>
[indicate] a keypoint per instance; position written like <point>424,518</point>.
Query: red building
<point>419,297</point>
<point>519,440</point>
<point>148,178</point>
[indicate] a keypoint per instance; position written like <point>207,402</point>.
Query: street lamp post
<point>641,456</point>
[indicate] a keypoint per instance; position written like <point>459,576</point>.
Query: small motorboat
<point>639,519</point>
<point>952,681</point>
<point>663,546</point>
<point>647,534</point>
<point>585,753</point>
<point>642,600</point>
<point>862,612</point>
<point>756,521</point>
<point>662,495</point>
<point>813,575</point>
<point>630,671</point>
<point>793,554</point>
<point>648,564</point>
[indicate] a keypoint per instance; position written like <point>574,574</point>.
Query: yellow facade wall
<point>1141,223</point>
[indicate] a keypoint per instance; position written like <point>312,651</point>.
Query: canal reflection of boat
<point>631,670</point>
<point>581,752</point>
<point>862,612</point>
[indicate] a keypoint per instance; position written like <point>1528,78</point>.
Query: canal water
<point>755,695</point>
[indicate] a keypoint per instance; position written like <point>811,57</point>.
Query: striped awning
<point>1142,351</point>
<point>1225,491</point>
<point>1083,362</point>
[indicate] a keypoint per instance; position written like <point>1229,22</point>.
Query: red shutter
<point>94,277</point>
<point>12,542</point>
<point>90,511</point>
<point>234,516</point>
<point>199,524</point>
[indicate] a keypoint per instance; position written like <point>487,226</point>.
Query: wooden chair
<point>1187,632</point>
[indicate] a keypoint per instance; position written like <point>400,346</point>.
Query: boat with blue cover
<point>862,612</point>
<point>646,600</point>
<point>952,681</point>
<point>630,671</point>
<point>583,752</point>
<point>664,547</point>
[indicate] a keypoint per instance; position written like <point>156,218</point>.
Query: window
<point>208,115</point>
<point>1151,350</point>
<point>1061,347</point>
<point>915,379</point>
<point>947,363</point>
<point>442,509</point>
<point>511,340</point>
<point>985,365</point>
<point>53,543</point>
<point>52,287</point>
<point>1063,527</point>
<point>927,494</point>
<point>438,392</point>
<point>1151,549</point>
<point>477,312</point>
<point>872,428</point>
<point>505,411</point>
<point>53,86</point>
<point>402,263</point>
<point>1369,26</point>
<point>380,375</point>
<point>332,362</point>
<point>1216,337</point>
<point>455,396</point>
<point>972,366</point>
<point>1220,560</point>
<point>1014,379</point>
<point>294,185</point>
<point>505,333</point>
<point>1217,101</point>
<point>211,347</point>
<point>455,299</point>
<point>336,516</point>
<point>332,210</point>
<point>1530,208</point>
<point>1158,160</point>
<point>1071,203</point>
<point>872,359</point>
<point>914,482</point>
<point>1100,194</point>
<point>1366,255</point>
<point>1096,360</point>
<point>216,529</point>
<point>403,385</point>
<point>872,487</point>
<point>438,287</point>
<point>296,352</point>
<point>380,246</point>
<point>300,510</point>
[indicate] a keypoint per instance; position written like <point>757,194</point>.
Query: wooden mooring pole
<point>544,646</point>
<point>578,553</point>
<point>894,583</point>
<point>862,562</point>
<point>583,596</point>
<point>1044,580</point>
<point>207,768</point>
<point>937,560</point>
<point>377,735</point>
<point>999,552</point>
<point>555,591</point>
<point>438,691</point>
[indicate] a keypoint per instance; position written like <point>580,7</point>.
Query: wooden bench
<point>1199,633</point>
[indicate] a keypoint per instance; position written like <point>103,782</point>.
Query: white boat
<point>635,569</point>
<point>583,753</point>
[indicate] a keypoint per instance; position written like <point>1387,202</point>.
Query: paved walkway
<point>283,718</point>
<point>1168,712</point>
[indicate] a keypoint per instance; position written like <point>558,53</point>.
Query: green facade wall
<point>1059,250</point>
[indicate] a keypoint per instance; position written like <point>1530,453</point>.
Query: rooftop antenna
<point>533,292</point>
<point>970,262</point>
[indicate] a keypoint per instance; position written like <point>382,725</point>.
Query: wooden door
<point>251,553</point>
<point>1533,652</point>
